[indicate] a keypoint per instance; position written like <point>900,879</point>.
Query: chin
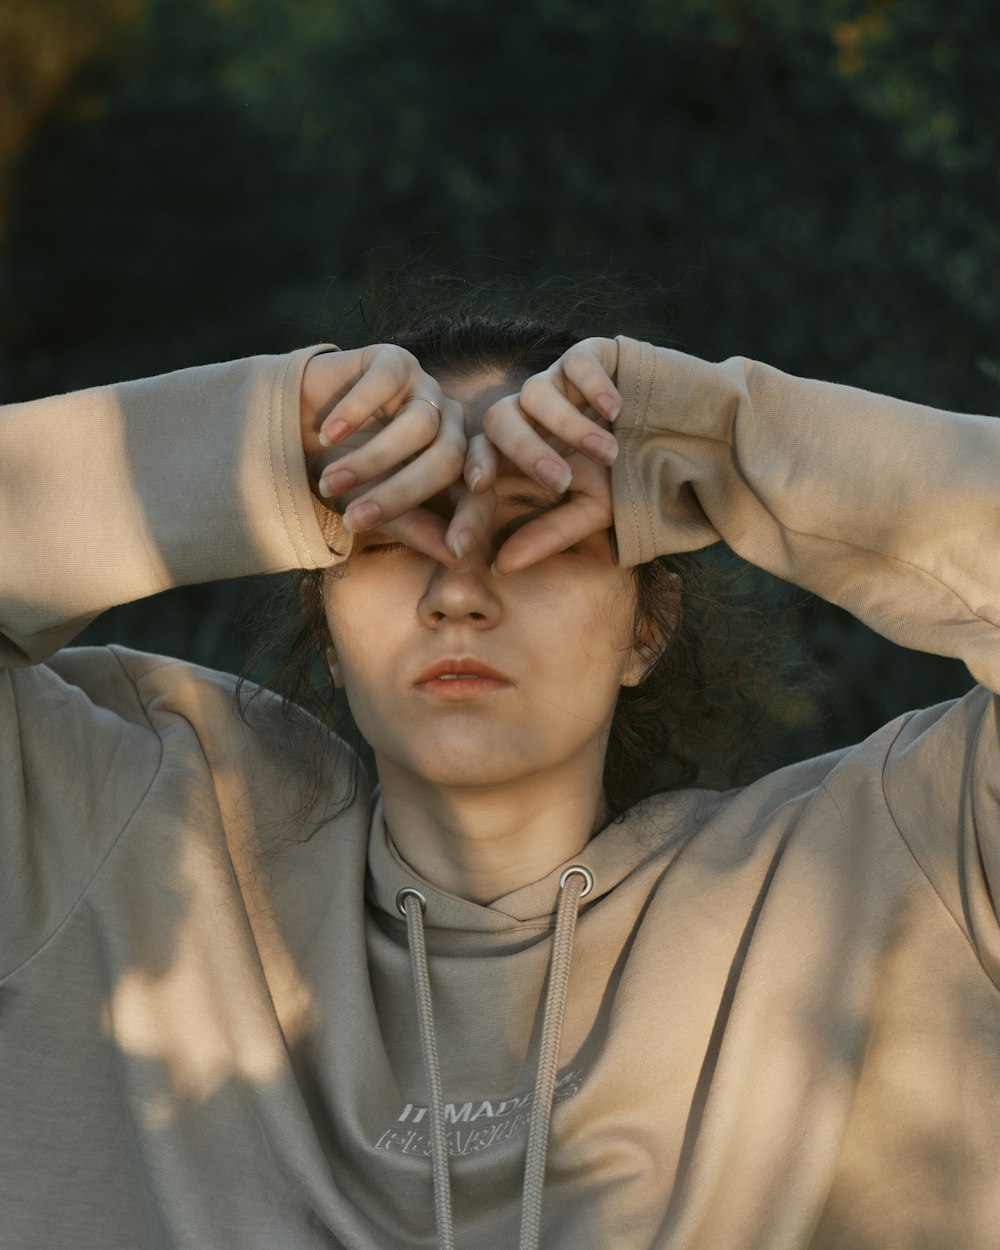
<point>466,760</point>
<point>476,778</point>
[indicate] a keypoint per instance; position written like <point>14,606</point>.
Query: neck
<point>484,842</point>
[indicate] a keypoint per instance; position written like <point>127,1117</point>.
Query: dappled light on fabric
<point>183,1025</point>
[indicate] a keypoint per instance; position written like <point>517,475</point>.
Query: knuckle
<point>395,352</point>
<point>532,388</point>
<point>580,360</point>
<point>397,359</point>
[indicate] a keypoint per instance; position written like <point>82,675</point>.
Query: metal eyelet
<point>579,871</point>
<point>402,896</point>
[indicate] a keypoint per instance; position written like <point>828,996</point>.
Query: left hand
<point>528,429</point>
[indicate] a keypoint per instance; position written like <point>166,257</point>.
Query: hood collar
<point>611,855</point>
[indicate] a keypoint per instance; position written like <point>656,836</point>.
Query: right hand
<point>366,431</point>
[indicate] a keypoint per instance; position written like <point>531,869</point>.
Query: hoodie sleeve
<point>888,509</point>
<point>115,493</point>
<point>109,495</point>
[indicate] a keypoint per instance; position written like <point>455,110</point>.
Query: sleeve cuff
<point>316,533</point>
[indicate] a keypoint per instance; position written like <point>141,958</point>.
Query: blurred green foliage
<point>815,185</point>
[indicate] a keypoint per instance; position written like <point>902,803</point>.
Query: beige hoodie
<point>782,1024</point>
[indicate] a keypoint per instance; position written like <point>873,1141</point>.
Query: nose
<point>470,596</point>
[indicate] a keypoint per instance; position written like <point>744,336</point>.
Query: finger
<point>389,372</point>
<point>411,430</point>
<point>424,531</point>
<point>588,511</point>
<point>480,464</point>
<point>471,521</point>
<point>430,473</point>
<point>541,400</point>
<point>588,368</point>
<point>327,378</point>
<point>507,428</point>
<point>551,533</point>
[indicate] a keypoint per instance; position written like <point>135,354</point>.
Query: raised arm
<point>887,508</point>
<point>114,493</point>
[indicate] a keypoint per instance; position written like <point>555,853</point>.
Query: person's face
<point>559,636</point>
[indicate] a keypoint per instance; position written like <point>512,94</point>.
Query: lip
<point>466,666</point>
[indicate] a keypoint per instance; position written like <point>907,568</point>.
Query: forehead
<point>477,391</point>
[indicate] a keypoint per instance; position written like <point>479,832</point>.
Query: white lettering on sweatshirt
<point>500,1121</point>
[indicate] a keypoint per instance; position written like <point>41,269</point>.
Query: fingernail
<point>464,541</point>
<point>495,571</point>
<point>605,449</point>
<point>329,434</point>
<point>338,480</point>
<point>554,474</point>
<point>474,475</point>
<point>609,406</point>
<point>361,516</point>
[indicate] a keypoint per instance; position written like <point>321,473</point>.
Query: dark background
<point>811,184</point>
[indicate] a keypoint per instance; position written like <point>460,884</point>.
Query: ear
<point>641,660</point>
<point>651,644</point>
<point>333,664</point>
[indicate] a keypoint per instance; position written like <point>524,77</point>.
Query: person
<point>481,1002</point>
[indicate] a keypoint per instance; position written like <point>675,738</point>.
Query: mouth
<point>460,679</point>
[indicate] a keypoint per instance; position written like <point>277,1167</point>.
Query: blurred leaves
<point>832,222</point>
<point>815,185</point>
<point>43,46</point>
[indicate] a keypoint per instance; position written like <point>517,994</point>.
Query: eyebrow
<point>538,500</point>
<point>539,505</point>
<point>532,499</point>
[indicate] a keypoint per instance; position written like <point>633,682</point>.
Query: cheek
<point>586,655</point>
<point>363,677</point>
<point>359,633</point>
<point>606,638</point>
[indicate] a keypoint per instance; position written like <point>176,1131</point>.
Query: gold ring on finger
<point>427,400</point>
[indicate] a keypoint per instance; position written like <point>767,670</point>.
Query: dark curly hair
<point>718,684</point>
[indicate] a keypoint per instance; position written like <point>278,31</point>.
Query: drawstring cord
<point>575,884</point>
<point>412,903</point>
